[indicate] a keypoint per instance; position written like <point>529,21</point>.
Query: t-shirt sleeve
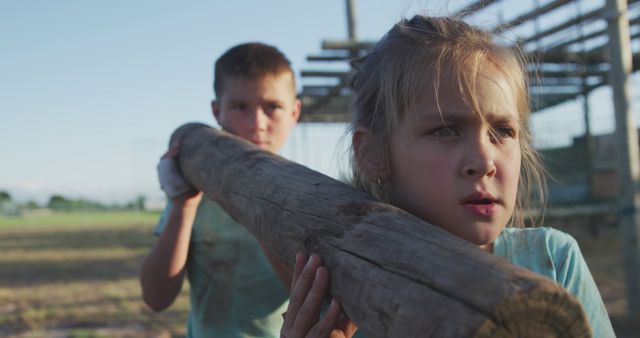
<point>574,275</point>
<point>164,217</point>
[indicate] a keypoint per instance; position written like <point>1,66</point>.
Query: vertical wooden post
<point>621,65</point>
<point>590,145</point>
<point>351,20</point>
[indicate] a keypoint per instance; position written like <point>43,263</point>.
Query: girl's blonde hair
<point>389,79</point>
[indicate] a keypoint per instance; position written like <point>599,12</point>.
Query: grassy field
<point>75,275</point>
<point>67,220</point>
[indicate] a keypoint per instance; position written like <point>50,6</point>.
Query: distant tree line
<point>64,204</point>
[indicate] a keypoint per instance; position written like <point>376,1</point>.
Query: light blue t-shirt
<point>556,255</point>
<point>234,291</point>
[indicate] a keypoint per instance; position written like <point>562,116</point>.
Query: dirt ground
<point>80,281</point>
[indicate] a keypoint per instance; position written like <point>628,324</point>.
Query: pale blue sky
<point>91,90</point>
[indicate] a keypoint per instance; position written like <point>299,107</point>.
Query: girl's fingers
<point>329,322</point>
<point>309,288</point>
<point>309,312</point>
<point>300,290</point>
<point>301,259</point>
<point>345,325</point>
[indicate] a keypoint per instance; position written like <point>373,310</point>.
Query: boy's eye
<point>273,107</point>
<point>238,106</point>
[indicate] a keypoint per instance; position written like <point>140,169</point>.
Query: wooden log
<point>395,275</point>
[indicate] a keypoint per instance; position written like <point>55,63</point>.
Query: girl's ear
<point>368,157</point>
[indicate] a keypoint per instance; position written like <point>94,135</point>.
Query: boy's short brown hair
<point>250,61</point>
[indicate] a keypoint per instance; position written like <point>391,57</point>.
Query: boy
<point>235,291</point>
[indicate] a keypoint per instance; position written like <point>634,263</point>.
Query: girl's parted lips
<point>479,197</point>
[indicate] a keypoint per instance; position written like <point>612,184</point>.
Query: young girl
<point>440,129</point>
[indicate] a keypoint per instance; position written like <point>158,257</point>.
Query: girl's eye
<point>506,132</point>
<point>444,132</point>
<point>500,133</point>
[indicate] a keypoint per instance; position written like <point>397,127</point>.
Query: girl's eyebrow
<point>448,117</point>
<point>504,117</point>
<point>465,117</point>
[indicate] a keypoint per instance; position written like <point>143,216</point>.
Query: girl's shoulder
<point>556,255</point>
<point>544,250</point>
<point>539,236</point>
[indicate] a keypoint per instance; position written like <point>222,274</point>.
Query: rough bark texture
<point>395,275</point>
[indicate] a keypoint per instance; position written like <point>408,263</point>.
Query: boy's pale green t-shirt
<point>234,291</point>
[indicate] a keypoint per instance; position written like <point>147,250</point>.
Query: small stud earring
<point>380,184</point>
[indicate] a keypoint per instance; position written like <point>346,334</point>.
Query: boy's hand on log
<point>309,288</point>
<point>172,182</point>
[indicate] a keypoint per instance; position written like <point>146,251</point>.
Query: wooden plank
<point>324,73</point>
<point>347,45</point>
<point>474,7</point>
<point>530,15</point>
<point>598,33</point>
<point>395,275</point>
<point>329,58</point>
<point>569,23</point>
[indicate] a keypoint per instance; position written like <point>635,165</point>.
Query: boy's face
<point>261,110</point>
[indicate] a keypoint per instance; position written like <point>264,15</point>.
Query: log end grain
<point>542,313</point>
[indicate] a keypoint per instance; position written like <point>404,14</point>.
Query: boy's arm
<point>281,269</point>
<point>162,271</point>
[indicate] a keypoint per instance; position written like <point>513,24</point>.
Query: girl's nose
<point>479,160</point>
